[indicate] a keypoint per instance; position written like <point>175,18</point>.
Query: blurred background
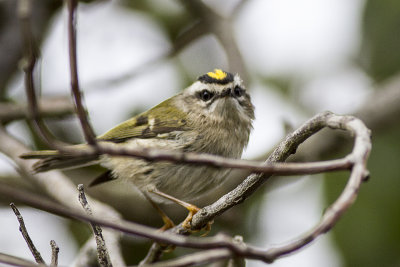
<point>297,58</point>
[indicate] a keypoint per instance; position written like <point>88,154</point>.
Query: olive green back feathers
<point>162,119</point>
<point>144,125</point>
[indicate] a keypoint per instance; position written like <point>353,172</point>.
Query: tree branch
<point>54,253</point>
<point>16,261</point>
<point>102,253</point>
<point>60,188</point>
<point>76,92</point>
<point>153,154</point>
<point>30,58</point>
<point>24,232</point>
<point>194,259</point>
<point>53,107</point>
<point>359,172</point>
<point>358,156</point>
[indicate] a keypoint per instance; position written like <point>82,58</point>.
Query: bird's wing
<point>148,125</point>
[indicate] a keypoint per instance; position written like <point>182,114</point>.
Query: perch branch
<point>289,146</point>
<point>358,156</point>
<point>152,154</point>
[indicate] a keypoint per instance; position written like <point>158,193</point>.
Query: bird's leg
<point>168,223</point>
<point>190,207</point>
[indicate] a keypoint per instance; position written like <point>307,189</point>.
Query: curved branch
<point>359,172</point>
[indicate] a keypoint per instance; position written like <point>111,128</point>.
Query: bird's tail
<point>53,159</point>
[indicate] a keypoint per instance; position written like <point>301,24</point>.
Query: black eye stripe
<point>209,96</point>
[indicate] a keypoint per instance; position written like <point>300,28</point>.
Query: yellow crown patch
<point>218,77</point>
<point>217,74</point>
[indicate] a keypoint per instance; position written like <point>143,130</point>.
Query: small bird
<point>213,115</point>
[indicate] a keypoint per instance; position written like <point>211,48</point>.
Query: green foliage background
<point>369,234</point>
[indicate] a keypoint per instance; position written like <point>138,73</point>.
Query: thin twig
<point>54,253</point>
<point>359,157</point>
<point>24,232</point>
<point>76,92</point>
<point>194,259</point>
<point>154,254</point>
<point>53,107</point>
<point>102,252</point>
<point>59,187</point>
<point>30,59</point>
<point>16,261</point>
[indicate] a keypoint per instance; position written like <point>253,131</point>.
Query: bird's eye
<point>206,95</point>
<point>237,91</point>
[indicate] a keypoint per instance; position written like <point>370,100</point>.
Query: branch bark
<point>25,234</point>
<point>58,187</point>
<point>102,252</point>
<point>53,107</point>
<point>16,261</point>
<point>359,172</point>
<point>54,253</point>
<point>76,92</point>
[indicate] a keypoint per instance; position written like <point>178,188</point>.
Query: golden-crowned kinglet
<point>214,115</point>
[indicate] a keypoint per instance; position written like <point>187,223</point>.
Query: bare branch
<point>102,253</point>
<point>153,255</point>
<point>153,154</point>
<point>61,189</point>
<point>359,172</point>
<point>54,253</point>
<point>53,107</point>
<point>198,258</point>
<point>16,261</point>
<point>24,232</point>
<point>83,117</point>
<point>30,58</point>
<point>194,259</point>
